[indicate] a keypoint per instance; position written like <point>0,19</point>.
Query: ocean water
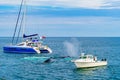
<point>15,67</point>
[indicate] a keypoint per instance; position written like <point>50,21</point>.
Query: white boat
<point>87,61</point>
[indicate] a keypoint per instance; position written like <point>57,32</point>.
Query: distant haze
<point>63,18</point>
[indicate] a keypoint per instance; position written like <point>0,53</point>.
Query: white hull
<point>89,64</point>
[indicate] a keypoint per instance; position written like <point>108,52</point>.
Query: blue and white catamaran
<point>30,43</point>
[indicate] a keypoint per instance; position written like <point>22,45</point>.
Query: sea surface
<point>15,67</point>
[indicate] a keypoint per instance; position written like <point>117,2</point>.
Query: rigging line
<point>20,28</point>
<point>24,19</point>
<point>17,22</point>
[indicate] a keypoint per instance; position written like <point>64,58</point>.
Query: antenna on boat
<point>17,22</point>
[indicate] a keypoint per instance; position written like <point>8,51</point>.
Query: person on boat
<point>104,59</point>
<point>39,44</point>
<point>95,58</point>
<point>26,42</point>
<point>32,44</point>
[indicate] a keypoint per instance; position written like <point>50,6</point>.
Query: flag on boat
<point>42,37</point>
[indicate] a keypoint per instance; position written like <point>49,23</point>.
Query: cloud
<point>63,26</point>
<point>82,3</point>
<point>90,4</point>
<point>9,2</point>
<point>72,21</point>
<point>38,20</point>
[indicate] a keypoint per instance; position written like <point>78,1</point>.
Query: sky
<point>63,18</point>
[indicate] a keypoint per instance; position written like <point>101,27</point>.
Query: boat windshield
<point>90,57</point>
<point>83,57</point>
<point>86,56</point>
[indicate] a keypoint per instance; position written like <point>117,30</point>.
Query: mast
<point>24,18</point>
<point>20,28</point>
<point>17,22</point>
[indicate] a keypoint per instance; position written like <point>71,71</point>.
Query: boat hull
<point>90,64</point>
<point>21,49</point>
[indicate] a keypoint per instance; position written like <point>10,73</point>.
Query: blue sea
<point>15,67</point>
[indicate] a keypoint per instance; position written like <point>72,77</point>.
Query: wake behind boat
<point>86,61</point>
